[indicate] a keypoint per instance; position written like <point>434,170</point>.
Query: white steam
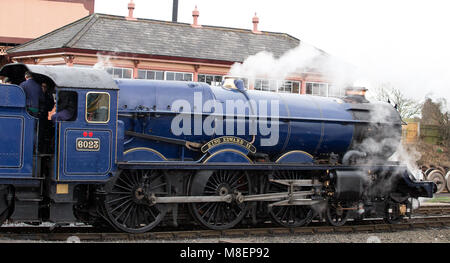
<point>307,59</point>
<point>409,158</point>
<point>302,59</point>
<point>265,65</point>
<point>103,62</point>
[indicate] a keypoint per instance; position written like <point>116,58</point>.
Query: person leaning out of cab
<point>33,93</point>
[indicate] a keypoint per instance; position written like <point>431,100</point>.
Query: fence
<point>414,130</point>
<point>430,134</point>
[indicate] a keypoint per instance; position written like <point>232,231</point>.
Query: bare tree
<point>435,113</point>
<point>407,107</point>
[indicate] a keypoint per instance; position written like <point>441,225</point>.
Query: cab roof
<point>61,76</point>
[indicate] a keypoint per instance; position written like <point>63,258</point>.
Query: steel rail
<point>369,226</point>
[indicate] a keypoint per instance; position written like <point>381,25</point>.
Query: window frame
<point>320,84</point>
<point>210,75</point>
<point>282,84</point>
<point>339,94</point>
<point>266,84</point>
<point>86,110</point>
<point>147,71</point>
<point>122,70</point>
<point>177,72</point>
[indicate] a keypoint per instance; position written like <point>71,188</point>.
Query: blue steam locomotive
<point>136,154</point>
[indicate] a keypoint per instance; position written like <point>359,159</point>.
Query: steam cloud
<point>302,59</point>
<point>266,65</point>
<point>103,62</point>
<point>305,58</point>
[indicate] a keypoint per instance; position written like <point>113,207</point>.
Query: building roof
<point>108,33</point>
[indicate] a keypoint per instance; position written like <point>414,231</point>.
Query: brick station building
<point>130,47</point>
<point>25,20</point>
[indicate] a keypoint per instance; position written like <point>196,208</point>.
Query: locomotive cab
<point>81,140</point>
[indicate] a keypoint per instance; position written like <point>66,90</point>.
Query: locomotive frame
<point>104,172</point>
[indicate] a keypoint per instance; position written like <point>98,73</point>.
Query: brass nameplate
<point>228,140</point>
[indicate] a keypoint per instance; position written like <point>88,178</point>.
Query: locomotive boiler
<point>140,153</point>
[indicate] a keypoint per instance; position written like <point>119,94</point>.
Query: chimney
<point>356,94</point>
<point>255,21</point>
<point>175,11</point>
<point>195,15</point>
<point>131,7</point>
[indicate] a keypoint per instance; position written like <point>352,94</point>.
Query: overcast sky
<point>404,42</point>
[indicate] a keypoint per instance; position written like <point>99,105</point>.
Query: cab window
<point>66,109</point>
<point>97,107</point>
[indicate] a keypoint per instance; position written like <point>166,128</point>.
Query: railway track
<point>434,210</point>
<point>424,217</point>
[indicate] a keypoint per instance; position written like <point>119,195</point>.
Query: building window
<point>266,85</point>
<point>150,74</point>
<point>214,80</point>
<point>164,75</point>
<point>278,86</point>
<point>290,87</point>
<point>335,91</point>
<point>317,89</point>
<point>120,73</point>
<point>179,76</point>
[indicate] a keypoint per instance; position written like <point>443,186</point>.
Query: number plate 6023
<point>85,144</point>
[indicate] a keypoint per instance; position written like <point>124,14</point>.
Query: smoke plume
<point>103,62</point>
<point>302,59</point>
